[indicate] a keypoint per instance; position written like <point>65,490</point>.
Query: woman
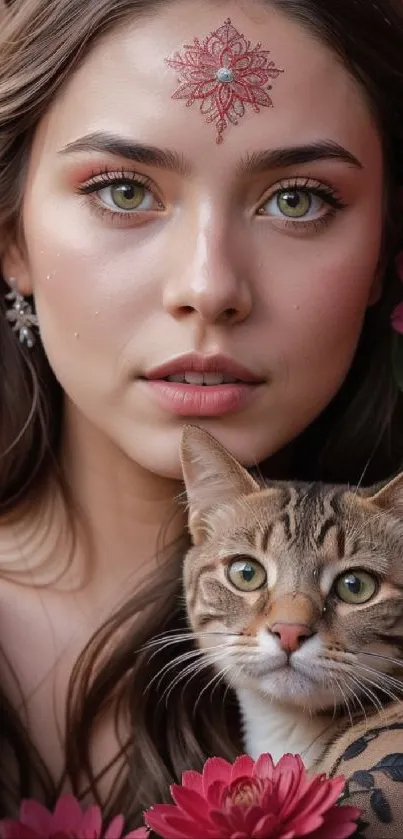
<point>159,247</point>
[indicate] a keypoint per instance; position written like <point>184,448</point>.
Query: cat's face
<point>294,590</point>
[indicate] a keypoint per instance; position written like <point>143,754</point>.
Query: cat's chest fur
<point>277,729</point>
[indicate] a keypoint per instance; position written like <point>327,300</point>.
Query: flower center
<point>245,792</point>
<point>225,75</point>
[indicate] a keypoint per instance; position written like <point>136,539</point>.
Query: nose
<point>291,635</point>
<point>208,274</point>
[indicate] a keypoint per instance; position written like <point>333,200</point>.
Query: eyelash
<point>103,178</point>
<point>310,187</point>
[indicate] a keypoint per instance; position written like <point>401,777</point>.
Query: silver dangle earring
<point>22,317</point>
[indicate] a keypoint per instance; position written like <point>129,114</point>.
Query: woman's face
<point>146,240</point>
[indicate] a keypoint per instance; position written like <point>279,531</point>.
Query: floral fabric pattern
<point>373,766</point>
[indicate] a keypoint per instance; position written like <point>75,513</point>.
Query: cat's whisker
<point>383,682</point>
<point>367,692</point>
<point>356,491</point>
<point>351,694</point>
<point>321,733</point>
<point>203,660</point>
<point>397,661</point>
<point>188,673</point>
<point>163,647</point>
<point>356,697</point>
<point>231,680</point>
<point>383,687</point>
<point>180,636</point>
<point>381,676</point>
<point>358,530</point>
<point>230,686</point>
<point>335,708</point>
<point>158,643</point>
<point>345,698</point>
<point>193,669</point>
<point>189,655</point>
<point>217,678</point>
<point>162,644</point>
<point>363,473</point>
<point>362,684</point>
<point>222,677</point>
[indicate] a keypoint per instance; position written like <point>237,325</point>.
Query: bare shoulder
<point>370,756</point>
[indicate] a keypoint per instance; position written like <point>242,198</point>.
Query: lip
<point>192,401</point>
<point>185,400</point>
<point>196,363</point>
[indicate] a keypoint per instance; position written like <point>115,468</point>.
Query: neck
<point>125,517</point>
<point>130,514</point>
<point>278,729</point>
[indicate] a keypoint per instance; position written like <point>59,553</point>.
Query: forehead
<point>125,85</point>
<point>304,516</point>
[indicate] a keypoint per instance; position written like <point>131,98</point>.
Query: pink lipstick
<point>194,385</point>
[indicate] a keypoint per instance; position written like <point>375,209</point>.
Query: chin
<point>289,687</point>
<point>156,448</point>
<point>248,443</point>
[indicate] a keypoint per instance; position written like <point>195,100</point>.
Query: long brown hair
<point>42,42</point>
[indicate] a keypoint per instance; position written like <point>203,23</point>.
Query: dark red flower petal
<point>397,318</point>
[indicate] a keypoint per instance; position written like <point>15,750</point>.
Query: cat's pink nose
<point>291,635</point>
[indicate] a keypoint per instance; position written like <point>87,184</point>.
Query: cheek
<point>325,292</point>
<point>91,295</point>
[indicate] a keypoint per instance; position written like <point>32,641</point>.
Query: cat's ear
<point>390,496</point>
<point>211,474</point>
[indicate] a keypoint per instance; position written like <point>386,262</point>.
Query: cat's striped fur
<point>308,692</point>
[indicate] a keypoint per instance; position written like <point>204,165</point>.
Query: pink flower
<point>68,821</point>
<point>397,318</point>
<point>254,799</point>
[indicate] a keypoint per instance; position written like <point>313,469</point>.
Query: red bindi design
<point>224,73</point>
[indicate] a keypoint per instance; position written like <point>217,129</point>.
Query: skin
<point>199,269</point>
<point>124,295</point>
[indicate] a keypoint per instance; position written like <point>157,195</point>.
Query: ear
<point>390,497</point>
<point>14,265</point>
<point>211,474</point>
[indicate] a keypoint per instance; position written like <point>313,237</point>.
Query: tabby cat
<point>295,596</point>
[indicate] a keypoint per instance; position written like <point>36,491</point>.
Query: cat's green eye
<point>356,587</point>
<point>246,574</point>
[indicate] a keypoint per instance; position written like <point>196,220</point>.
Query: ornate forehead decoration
<point>225,74</point>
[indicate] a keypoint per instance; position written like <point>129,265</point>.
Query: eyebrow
<point>297,155</point>
<point>254,163</point>
<point>120,147</point>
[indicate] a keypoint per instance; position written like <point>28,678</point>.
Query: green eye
<point>294,203</point>
<point>246,574</point>
<point>128,196</point>
<point>356,587</point>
